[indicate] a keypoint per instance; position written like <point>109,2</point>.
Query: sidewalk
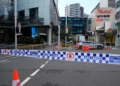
<point>50,47</point>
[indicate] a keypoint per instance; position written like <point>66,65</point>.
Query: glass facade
<point>6,9</point>
<point>78,25</point>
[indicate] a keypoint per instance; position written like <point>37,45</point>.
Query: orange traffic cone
<point>16,80</point>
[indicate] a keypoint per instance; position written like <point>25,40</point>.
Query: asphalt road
<point>43,72</point>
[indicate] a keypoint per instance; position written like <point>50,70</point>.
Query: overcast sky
<point>87,4</point>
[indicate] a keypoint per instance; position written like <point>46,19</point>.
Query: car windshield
<point>59,42</point>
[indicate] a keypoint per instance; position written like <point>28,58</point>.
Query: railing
<point>32,46</point>
<point>26,18</point>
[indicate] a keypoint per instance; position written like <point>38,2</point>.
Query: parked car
<point>90,44</point>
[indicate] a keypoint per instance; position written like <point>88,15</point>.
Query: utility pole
<point>59,37</point>
<point>15,14</point>
<point>66,29</point>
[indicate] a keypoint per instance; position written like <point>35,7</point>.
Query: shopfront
<point>104,20</point>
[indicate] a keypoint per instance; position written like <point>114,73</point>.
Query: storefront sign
<point>101,11</point>
<point>103,14</point>
<point>102,19</point>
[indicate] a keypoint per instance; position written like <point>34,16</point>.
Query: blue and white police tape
<point>68,56</point>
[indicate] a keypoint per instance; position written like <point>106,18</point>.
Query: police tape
<point>66,56</point>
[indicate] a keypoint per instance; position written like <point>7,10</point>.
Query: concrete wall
<point>93,20</point>
<point>103,3</point>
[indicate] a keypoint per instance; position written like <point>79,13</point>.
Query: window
<point>21,15</point>
<point>111,3</point>
<point>33,13</point>
<point>118,4</point>
<point>117,16</point>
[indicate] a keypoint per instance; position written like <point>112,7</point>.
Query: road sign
<point>70,56</point>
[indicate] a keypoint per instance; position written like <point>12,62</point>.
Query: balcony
<point>27,22</point>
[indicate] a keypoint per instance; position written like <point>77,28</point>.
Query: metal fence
<point>32,46</point>
<point>23,46</point>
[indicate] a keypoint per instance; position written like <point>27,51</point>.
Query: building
<point>85,15</point>
<point>74,10</point>
<point>39,18</point>
<point>6,21</point>
<point>76,26</point>
<point>117,21</point>
<point>56,1</point>
<point>107,3</point>
<point>103,22</point>
<point>81,11</point>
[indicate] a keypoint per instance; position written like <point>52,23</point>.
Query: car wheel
<point>99,47</point>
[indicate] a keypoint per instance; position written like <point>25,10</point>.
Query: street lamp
<point>66,29</point>
<point>59,36</point>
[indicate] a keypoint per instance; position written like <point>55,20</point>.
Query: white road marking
<point>34,73</point>
<point>4,57</point>
<point>42,66</point>
<point>8,59</point>
<point>46,62</point>
<point>4,61</point>
<point>114,48</point>
<point>25,81</point>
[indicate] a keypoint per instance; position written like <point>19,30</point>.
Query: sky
<point>88,5</point>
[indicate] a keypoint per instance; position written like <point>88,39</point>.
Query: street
<point>43,72</point>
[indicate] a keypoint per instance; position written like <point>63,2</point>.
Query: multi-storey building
<point>74,10</point>
<point>117,21</point>
<point>107,3</point>
<point>77,26</point>
<point>81,11</point>
<point>39,18</point>
<point>103,22</point>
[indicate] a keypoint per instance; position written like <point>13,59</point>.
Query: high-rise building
<point>74,10</point>
<point>82,11</point>
<point>39,18</point>
<point>107,3</point>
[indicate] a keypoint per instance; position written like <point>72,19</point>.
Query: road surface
<point>43,72</point>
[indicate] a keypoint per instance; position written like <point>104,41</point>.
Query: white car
<point>91,44</point>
